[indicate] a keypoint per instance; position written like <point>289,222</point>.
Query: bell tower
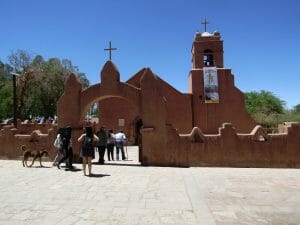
<point>207,50</point>
<point>215,99</point>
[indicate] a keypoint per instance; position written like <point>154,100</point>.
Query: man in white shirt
<point>120,140</point>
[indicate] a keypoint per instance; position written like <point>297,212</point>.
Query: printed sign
<point>121,122</point>
<point>211,92</point>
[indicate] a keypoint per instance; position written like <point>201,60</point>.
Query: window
<point>208,58</point>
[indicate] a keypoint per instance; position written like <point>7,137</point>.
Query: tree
<point>264,106</point>
<point>6,103</point>
<point>68,66</point>
<point>21,64</point>
<point>297,109</point>
<point>263,101</point>
<point>48,84</point>
<point>39,86</point>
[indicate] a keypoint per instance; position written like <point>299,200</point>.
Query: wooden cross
<point>205,23</point>
<point>110,49</point>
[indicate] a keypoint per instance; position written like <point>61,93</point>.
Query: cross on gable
<point>205,23</point>
<point>110,49</point>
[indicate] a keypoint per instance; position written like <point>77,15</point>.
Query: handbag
<point>57,142</point>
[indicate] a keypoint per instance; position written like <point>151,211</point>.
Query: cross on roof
<point>205,23</point>
<point>109,49</point>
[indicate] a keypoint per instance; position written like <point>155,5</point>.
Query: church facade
<point>207,126</point>
<point>191,109</point>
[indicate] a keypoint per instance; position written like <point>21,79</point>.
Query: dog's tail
<point>23,147</point>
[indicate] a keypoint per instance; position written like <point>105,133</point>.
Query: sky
<point>261,37</point>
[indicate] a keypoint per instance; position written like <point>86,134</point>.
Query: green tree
<point>264,107</point>
<point>48,87</point>
<point>263,101</point>
<point>293,115</point>
<point>68,66</point>
<point>6,103</point>
<point>21,64</point>
<point>297,109</point>
<point>48,84</point>
<point>39,86</point>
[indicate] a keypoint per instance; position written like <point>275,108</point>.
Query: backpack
<point>88,143</point>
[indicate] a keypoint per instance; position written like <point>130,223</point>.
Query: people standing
<point>110,145</point>
<point>88,138</point>
<point>102,143</point>
<point>58,146</point>
<point>66,145</point>
<point>120,140</point>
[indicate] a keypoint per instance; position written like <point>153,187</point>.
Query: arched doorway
<point>118,114</point>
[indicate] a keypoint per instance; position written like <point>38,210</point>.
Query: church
<point>207,126</point>
<point>211,100</point>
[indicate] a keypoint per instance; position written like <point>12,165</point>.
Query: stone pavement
<point>131,194</point>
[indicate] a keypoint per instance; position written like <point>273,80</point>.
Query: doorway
<point>118,114</point>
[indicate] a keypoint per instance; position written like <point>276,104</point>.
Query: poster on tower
<point>210,77</point>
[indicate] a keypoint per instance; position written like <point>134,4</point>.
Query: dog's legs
<point>42,154</point>
<point>34,158</point>
<point>25,159</point>
<point>26,163</point>
<point>41,161</point>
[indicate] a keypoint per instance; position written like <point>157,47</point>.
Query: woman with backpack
<point>88,138</point>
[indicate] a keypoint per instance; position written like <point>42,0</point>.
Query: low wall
<point>28,127</point>
<point>227,148</point>
<point>168,148</point>
<point>11,139</point>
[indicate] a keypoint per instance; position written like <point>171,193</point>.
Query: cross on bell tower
<point>110,49</point>
<point>205,24</point>
<point>207,49</point>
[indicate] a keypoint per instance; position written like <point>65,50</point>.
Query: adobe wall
<point>231,107</point>
<point>11,140</point>
<point>178,106</point>
<point>228,148</point>
<point>27,128</point>
<point>162,145</point>
<point>113,109</point>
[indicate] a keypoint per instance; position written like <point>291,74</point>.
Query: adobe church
<point>208,78</point>
<point>208,126</point>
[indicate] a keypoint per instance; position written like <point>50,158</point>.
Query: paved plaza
<point>123,192</point>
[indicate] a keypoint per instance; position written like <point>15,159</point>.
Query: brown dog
<point>35,154</point>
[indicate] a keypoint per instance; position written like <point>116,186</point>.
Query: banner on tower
<point>210,77</point>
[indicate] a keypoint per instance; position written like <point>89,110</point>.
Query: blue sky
<point>261,37</point>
